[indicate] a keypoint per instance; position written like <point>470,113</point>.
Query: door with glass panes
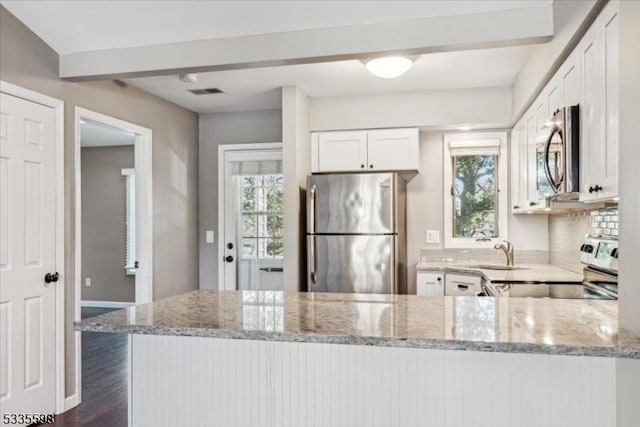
<point>252,239</point>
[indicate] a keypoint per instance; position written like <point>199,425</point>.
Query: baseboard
<point>106,304</point>
<point>71,402</point>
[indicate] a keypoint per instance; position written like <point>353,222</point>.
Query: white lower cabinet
<point>462,284</point>
<point>430,284</point>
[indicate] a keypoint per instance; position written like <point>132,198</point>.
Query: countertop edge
<point>435,344</point>
<point>462,269</point>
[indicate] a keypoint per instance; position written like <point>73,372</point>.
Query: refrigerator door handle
<point>313,198</point>
<point>313,259</point>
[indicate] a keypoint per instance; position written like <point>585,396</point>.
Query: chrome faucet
<point>507,248</point>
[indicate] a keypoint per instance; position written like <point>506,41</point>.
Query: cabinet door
<point>393,149</point>
<point>531,131</point>
<point>555,96</point>
<point>430,284</point>
<point>609,44</point>
<point>570,83</point>
<point>590,122</point>
<point>515,169</point>
<point>341,151</point>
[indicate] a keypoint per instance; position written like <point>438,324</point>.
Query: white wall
<point>629,154</point>
<point>216,129</point>
<point>489,107</point>
<point>296,162</point>
<point>568,16</point>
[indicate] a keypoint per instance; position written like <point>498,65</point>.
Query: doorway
<point>250,214</point>
<point>114,244</point>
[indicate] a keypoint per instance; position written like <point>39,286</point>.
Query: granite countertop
<point>543,273</point>
<point>514,325</point>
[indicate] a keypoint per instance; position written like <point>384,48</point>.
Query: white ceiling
<point>80,26</point>
<point>258,88</point>
<point>99,135</point>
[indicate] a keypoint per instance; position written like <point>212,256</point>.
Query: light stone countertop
<point>544,273</point>
<point>513,325</point>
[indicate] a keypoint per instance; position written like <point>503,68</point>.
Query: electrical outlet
<point>209,236</point>
<point>87,281</point>
<point>432,236</point>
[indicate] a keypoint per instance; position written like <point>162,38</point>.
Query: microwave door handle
<point>547,169</point>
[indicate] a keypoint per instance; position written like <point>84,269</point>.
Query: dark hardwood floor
<point>104,380</point>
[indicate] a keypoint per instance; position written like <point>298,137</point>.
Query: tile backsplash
<point>605,223</point>
<point>566,235</point>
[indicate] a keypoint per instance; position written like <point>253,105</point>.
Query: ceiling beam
<point>419,36</point>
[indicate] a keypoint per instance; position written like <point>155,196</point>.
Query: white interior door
<point>252,238</point>
<point>27,253</point>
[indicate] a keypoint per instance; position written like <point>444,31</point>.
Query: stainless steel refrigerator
<point>356,233</point>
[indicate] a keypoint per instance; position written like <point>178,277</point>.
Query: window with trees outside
<point>475,168</point>
<point>261,215</point>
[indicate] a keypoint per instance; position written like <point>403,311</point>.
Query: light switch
<point>87,281</point>
<point>432,236</point>
<point>209,236</point>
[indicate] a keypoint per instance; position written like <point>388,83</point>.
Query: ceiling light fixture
<point>389,67</point>
<point>188,78</point>
<point>464,128</point>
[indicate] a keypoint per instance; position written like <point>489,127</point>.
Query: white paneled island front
<point>249,358</point>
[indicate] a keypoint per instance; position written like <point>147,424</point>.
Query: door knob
<point>228,258</point>
<point>48,278</point>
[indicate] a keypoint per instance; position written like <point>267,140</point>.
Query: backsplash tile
<point>566,234</point>
<point>605,223</point>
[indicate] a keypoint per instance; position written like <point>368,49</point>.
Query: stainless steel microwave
<point>558,156</point>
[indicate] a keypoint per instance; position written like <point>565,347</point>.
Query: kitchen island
<point>296,359</point>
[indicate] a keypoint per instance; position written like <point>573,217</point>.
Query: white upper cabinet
<point>588,78</point>
<point>609,34</point>
<point>369,150</point>
<point>519,178</point>
<point>569,82</point>
<point>598,63</point>
<point>339,151</point>
<point>393,149</point>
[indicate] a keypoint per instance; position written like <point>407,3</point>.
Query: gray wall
<point>104,224</point>
<point>217,129</point>
<point>25,60</point>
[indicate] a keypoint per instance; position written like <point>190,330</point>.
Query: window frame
<point>256,214</point>
<point>502,188</point>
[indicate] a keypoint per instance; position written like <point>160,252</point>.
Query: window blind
<point>130,221</point>
<point>475,147</point>
<point>256,167</point>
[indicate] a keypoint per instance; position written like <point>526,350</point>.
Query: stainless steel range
<point>600,277</point>
<point>600,256</point>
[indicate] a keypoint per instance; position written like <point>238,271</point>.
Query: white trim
<point>465,139</point>
<point>58,107</point>
<point>71,401</point>
<point>222,149</point>
<point>106,304</point>
<point>144,183</point>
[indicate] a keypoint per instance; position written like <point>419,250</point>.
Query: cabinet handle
<point>362,166</point>
<point>370,166</point>
<point>532,203</point>
<point>516,207</point>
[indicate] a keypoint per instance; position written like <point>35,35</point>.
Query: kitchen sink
<point>499,267</point>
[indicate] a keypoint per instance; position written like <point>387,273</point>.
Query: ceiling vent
<point>209,91</point>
